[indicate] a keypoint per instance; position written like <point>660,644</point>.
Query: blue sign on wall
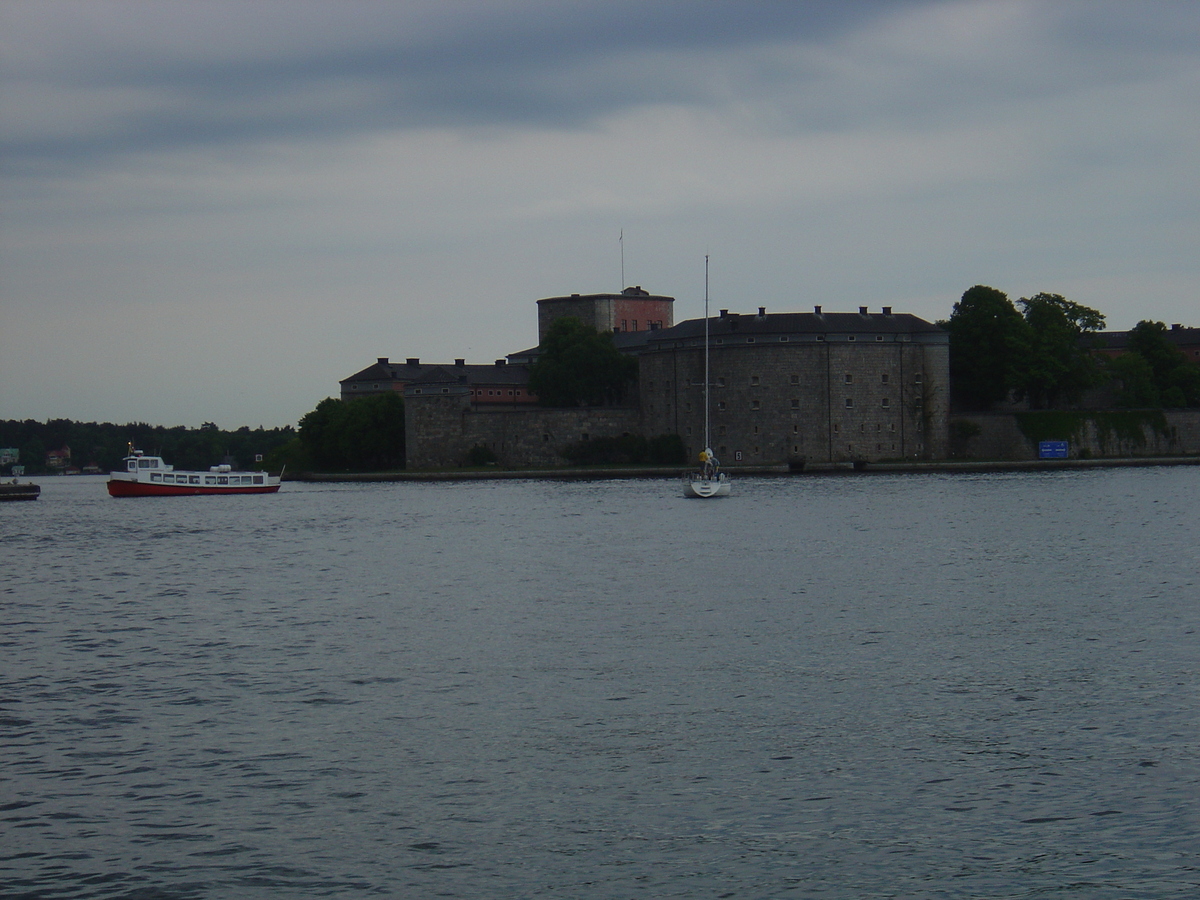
<point>1052,450</point>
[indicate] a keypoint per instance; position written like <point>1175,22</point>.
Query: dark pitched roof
<point>630,293</point>
<point>421,373</point>
<point>1178,335</point>
<point>813,323</point>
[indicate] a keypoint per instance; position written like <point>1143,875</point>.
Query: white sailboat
<point>709,481</point>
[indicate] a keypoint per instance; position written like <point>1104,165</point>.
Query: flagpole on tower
<point>621,241</point>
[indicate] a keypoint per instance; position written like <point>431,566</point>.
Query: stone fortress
<point>786,388</point>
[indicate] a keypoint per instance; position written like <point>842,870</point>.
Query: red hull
<point>141,489</point>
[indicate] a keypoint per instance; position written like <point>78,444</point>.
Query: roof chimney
<point>1176,327</point>
<point>460,363</point>
<point>887,310</point>
<point>413,361</point>
<point>762,312</point>
<point>724,314</point>
<point>383,360</point>
<point>502,362</point>
<point>817,310</point>
<point>862,310</point>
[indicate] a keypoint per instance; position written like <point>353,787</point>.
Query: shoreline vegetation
<point>599,473</point>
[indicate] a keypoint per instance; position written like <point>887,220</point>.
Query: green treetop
<point>580,366</point>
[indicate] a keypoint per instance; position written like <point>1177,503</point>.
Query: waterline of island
<point>648,472</point>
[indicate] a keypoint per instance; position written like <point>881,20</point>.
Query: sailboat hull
<point>704,488</point>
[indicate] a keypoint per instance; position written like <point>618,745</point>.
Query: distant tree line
<point>105,444</point>
<point>1043,350</point>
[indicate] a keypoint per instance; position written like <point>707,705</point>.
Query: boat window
<point>258,479</point>
<point>193,479</point>
<point>133,465</point>
<point>169,479</point>
<point>155,476</point>
<point>143,463</point>
<point>222,479</point>
<point>210,479</point>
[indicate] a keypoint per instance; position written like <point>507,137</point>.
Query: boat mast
<point>707,438</point>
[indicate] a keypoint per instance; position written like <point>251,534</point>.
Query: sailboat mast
<point>707,405</point>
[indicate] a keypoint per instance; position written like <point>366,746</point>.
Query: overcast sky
<point>213,211</point>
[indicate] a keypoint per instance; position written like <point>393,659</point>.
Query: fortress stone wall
<point>802,387</point>
<point>1092,434</point>
<point>786,388</point>
<point>441,429</point>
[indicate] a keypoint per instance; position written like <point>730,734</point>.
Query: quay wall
<point>1091,434</point>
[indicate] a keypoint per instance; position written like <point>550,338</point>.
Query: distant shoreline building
<point>802,387</point>
<point>787,388</point>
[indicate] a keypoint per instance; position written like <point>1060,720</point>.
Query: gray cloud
<point>281,71</point>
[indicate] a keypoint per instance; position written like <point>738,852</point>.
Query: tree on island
<point>1041,352</point>
<point>363,434</point>
<point>580,366</point>
<point>1154,372</point>
<point>1059,364</point>
<point>989,343</point>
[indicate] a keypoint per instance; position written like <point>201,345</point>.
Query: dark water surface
<point>858,687</point>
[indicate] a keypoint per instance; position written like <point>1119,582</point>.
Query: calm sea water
<point>841,687</point>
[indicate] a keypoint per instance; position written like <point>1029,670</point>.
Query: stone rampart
<point>1090,434</point>
<point>443,427</point>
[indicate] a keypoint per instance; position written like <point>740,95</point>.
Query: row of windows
<point>479,393</point>
<point>884,403</point>
<point>168,478</point>
<point>756,380</point>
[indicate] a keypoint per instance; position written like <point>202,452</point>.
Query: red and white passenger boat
<point>149,476</point>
